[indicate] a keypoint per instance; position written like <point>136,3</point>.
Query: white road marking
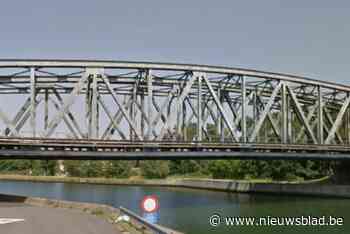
<point>6,221</point>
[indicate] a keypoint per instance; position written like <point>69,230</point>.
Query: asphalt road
<point>45,220</point>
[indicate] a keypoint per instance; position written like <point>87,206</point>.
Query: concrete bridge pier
<point>341,171</point>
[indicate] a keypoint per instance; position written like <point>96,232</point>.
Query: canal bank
<point>310,188</point>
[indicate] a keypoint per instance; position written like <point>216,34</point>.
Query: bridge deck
<point>38,148</point>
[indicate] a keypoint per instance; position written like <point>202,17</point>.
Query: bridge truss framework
<point>138,110</point>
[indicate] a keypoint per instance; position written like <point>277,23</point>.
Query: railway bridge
<point>84,109</point>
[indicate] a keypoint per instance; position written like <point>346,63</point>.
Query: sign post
<point>150,209</point>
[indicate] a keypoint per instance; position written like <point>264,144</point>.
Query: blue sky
<point>308,38</point>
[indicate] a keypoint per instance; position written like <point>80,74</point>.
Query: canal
<point>188,210</point>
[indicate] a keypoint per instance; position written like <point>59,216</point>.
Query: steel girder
<point>137,101</point>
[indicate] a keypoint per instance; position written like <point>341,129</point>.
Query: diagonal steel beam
<point>26,115</point>
<point>145,117</point>
<point>69,114</point>
<point>194,115</point>
<point>221,109</point>
<point>209,112</point>
<point>337,121</point>
<point>63,110</point>
<point>8,123</point>
<point>183,95</point>
<point>70,127</point>
<point>301,115</point>
<point>274,125</point>
<point>160,110</point>
<point>265,112</point>
<point>239,114</point>
<point>121,107</point>
<point>324,125</point>
<point>308,118</point>
<point>114,119</point>
<point>271,120</point>
<point>163,117</point>
<point>331,122</point>
<point>22,111</point>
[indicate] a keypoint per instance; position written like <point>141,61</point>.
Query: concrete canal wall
<point>314,189</point>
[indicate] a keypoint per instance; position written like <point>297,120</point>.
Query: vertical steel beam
<point>149,104</point>
<point>142,120</point>
<point>348,123</point>
<point>184,116</point>
<point>320,116</point>
<point>220,122</point>
<point>256,111</point>
<point>32,101</point>
<point>94,107</point>
<point>284,127</point>
<point>133,110</point>
<point>199,106</point>
<point>46,109</point>
<point>244,120</point>
<point>290,121</point>
<point>88,106</point>
<point>179,106</point>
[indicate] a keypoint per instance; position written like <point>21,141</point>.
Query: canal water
<point>188,210</point>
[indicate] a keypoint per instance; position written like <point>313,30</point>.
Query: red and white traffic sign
<point>150,204</point>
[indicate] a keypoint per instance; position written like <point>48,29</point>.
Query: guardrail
<point>154,227</point>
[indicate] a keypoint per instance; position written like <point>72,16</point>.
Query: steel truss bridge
<point>70,109</point>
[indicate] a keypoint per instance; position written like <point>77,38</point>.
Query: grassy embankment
<point>135,180</point>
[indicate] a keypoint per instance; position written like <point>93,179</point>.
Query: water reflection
<point>188,210</point>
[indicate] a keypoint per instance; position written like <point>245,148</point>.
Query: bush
<point>225,169</point>
<point>155,169</point>
<point>117,169</point>
<point>29,167</point>
<point>72,168</point>
<point>83,168</point>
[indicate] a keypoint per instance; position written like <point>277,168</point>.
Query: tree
<point>221,169</point>
<point>117,169</point>
<point>155,169</point>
